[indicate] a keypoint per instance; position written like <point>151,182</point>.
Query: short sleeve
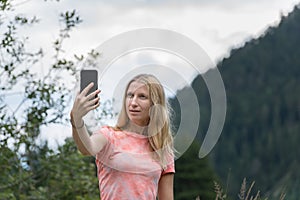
<point>106,132</point>
<point>170,168</point>
<point>107,149</point>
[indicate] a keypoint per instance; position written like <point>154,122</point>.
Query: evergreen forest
<point>260,137</point>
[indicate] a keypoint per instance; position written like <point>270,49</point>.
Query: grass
<point>244,194</point>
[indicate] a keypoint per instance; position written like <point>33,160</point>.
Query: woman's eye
<point>129,95</point>
<point>143,96</point>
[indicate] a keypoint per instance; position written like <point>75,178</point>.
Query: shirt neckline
<point>134,134</point>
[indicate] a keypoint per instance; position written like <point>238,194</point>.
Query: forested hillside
<point>262,129</point>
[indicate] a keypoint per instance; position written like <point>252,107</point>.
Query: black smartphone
<point>86,77</point>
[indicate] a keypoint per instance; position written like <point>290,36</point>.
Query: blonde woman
<point>135,158</point>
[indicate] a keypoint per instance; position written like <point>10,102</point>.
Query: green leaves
<point>70,19</point>
<point>5,5</point>
<point>29,169</point>
<point>64,174</point>
<point>261,134</point>
<point>194,177</point>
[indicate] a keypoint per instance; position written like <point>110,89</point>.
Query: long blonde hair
<point>159,127</point>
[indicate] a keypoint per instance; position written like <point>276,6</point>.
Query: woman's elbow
<point>85,152</point>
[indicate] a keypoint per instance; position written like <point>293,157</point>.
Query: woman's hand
<point>83,104</point>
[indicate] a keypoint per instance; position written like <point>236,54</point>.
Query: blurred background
<point>254,45</point>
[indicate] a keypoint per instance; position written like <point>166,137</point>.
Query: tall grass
<point>244,194</point>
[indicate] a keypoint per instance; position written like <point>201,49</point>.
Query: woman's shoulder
<point>107,128</point>
<point>109,131</point>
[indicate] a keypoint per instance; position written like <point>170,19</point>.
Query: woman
<point>135,158</point>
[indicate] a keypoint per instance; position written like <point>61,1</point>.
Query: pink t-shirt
<point>126,168</point>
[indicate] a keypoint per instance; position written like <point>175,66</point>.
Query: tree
<point>262,130</point>
<point>30,170</point>
<point>194,177</point>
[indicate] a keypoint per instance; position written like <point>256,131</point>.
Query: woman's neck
<point>132,127</point>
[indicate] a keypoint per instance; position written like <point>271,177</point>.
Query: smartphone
<point>86,77</point>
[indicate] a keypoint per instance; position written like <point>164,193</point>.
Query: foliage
<point>64,174</point>
<point>29,169</point>
<point>194,177</point>
<point>261,132</point>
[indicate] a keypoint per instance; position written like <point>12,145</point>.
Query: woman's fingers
<point>83,99</point>
<point>93,94</point>
<point>87,89</point>
<point>89,102</point>
<point>94,105</point>
<point>85,103</point>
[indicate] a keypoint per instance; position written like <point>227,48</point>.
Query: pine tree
<point>194,177</point>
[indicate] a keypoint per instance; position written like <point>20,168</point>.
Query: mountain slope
<point>262,129</point>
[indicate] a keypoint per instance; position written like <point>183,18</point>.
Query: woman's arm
<point>87,145</point>
<point>165,187</point>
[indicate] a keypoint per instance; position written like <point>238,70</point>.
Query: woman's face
<point>138,103</point>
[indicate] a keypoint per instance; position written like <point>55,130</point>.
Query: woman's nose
<point>133,101</point>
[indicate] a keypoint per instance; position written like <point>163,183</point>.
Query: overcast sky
<point>216,25</point>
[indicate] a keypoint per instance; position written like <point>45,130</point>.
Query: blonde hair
<point>159,127</point>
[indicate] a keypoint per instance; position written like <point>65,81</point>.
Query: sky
<point>215,25</point>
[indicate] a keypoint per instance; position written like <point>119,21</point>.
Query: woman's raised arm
<point>87,145</point>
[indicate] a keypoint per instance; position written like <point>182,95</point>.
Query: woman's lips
<point>134,111</point>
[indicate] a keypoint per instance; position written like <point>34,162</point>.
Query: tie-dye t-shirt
<point>126,169</point>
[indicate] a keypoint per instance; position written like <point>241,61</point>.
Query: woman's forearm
<point>81,136</point>
<point>82,140</point>
<point>87,144</point>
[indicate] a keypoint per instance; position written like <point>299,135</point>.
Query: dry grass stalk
<point>219,192</point>
<point>244,190</point>
<point>249,190</point>
<point>241,195</point>
<point>282,196</point>
<point>245,194</point>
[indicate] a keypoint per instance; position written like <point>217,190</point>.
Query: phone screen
<point>86,77</point>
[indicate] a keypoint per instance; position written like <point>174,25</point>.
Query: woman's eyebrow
<point>142,93</point>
